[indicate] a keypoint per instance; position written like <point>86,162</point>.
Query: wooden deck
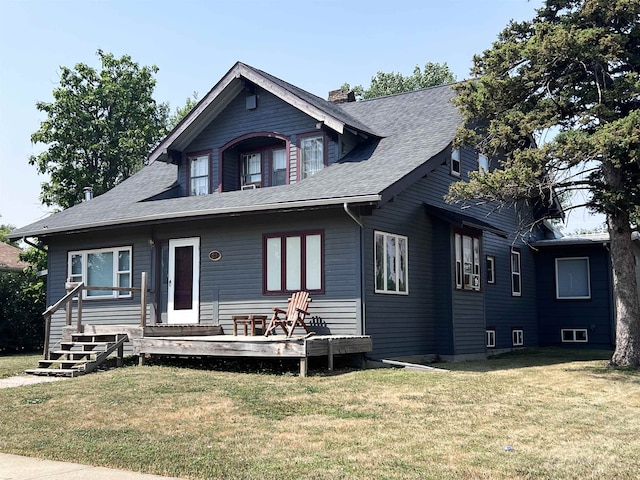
<point>210,340</point>
<point>275,346</point>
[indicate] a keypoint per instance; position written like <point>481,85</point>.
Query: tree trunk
<point>625,293</point>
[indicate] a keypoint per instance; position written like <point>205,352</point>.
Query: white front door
<point>183,303</point>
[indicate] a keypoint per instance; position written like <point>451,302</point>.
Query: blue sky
<point>316,45</point>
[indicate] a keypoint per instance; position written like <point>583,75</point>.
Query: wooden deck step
<point>55,372</point>
<point>73,354</point>
<point>79,357</point>
<point>61,363</point>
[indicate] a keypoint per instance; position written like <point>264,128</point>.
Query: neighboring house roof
<point>9,258</point>
<point>411,129</point>
<point>586,239</point>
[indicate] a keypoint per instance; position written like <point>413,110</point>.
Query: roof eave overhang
<point>213,212</point>
<point>461,220</point>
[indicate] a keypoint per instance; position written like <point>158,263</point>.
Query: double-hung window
<point>198,174</point>
<point>516,274</point>
<point>467,262</point>
<point>491,269</point>
<point>572,278</point>
<point>251,169</point>
<point>456,165</point>
<point>391,263</point>
<point>106,267</point>
<point>312,155</point>
<point>279,167</point>
<point>293,261</point>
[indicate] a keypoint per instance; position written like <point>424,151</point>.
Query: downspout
<point>363,310</point>
<point>31,244</point>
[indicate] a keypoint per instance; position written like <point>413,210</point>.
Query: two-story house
<point>265,189</point>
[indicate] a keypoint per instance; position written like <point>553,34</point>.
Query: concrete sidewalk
<point>15,467</point>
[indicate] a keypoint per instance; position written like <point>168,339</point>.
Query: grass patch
<point>564,414</point>
<point>11,365</point>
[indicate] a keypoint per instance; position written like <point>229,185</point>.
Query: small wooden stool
<point>246,320</point>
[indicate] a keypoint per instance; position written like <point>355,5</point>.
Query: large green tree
<point>570,74</point>
<point>389,83</point>
<point>98,129</point>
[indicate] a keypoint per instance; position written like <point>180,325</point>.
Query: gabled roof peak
<point>332,115</point>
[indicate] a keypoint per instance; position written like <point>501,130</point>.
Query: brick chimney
<point>340,96</point>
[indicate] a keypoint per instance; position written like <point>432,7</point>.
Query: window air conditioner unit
<point>250,186</point>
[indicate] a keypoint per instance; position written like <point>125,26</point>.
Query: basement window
<point>517,337</point>
<point>491,338</point>
<point>574,335</point>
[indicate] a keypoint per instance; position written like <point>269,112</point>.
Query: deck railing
<point>75,293</point>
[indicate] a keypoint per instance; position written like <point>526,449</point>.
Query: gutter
<point>182,215</point>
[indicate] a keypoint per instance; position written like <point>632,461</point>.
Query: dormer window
<point>312,155</point>
<point>255,160</point>
<point>279,167</point>
<point>456,167</point>
<point>251,170</point>
<point>199,174</point>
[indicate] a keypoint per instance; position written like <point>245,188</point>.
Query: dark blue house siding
<point>271,115</point>
<point>403,324</point>
<point>232,285</point>
<point>112,311</point>
<point>593,314</point>
<point>494,305</point>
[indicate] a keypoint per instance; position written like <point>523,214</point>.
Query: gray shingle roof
<point>416,126</point>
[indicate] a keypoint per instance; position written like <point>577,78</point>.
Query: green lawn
<point>564,414</point>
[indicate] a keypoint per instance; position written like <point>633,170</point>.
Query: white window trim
<point>456,159</point>
<point>492,260</point>
<point>588,297</point>
<point>385,235</point>
<point>302,160</point>
<point>116,272</point>
<point>490,335</point>
<point>517,337</point>
<point>518,273</point>
<point>190,159</point>
<point>459,273</point>
<point>574,331</point>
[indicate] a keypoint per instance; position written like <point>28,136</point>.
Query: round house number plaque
<point>215,255</point>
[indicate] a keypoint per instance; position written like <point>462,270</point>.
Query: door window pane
<point>183,275</point>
